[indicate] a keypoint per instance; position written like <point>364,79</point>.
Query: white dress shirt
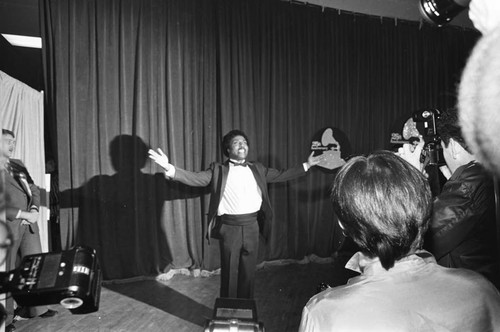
<point>242,194</point>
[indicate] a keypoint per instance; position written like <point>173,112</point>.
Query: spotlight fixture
<point>440,12</point>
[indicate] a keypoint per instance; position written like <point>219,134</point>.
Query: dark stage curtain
<point>128,75</point>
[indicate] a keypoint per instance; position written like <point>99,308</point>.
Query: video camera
<point>71,278</point>
<point>422,122</point>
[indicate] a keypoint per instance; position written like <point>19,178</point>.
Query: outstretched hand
<point>314,160</point>
<point>160,158</point>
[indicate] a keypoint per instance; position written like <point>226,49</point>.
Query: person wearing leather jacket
<point>462,232</point>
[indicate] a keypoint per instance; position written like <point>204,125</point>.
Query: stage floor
<point>183,303</point>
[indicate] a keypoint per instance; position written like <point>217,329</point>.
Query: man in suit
<point>22,212</point>
<point>239,207</point>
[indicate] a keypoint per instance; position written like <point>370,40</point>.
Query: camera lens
<point>71,302</point>
<point>439,12</point>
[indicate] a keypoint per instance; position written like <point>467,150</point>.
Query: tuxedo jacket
<point>20,191</point>
<point>216,177</point>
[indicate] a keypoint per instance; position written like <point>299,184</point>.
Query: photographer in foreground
<point>479,90</point>
<point>384,205</point>
<point>462,231</point>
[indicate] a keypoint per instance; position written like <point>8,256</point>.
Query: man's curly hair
<point>448,126</point>
<point>226,140</point>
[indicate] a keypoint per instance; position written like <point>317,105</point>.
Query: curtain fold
<point>21,111</point>
<point>129,75</point>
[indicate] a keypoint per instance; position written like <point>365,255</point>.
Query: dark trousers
<point>239,244</point>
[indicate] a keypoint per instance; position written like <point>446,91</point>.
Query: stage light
<point>234,315</point>
<point>71,278</point>
<point>440,12</point>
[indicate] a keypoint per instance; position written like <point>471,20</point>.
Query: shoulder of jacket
<point>215,167</point>
<point>16,161</point>
<point>475,175</point>
<point>471,179</point>
<point>215,164</point>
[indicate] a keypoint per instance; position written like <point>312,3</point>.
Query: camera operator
<point>383,204</point>
<point>462,232</point>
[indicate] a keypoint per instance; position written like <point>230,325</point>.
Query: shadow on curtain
<point>120,214</point>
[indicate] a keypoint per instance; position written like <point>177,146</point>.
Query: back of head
<point>384,205</point>
<point>448,126</point>
<point>479,101</point>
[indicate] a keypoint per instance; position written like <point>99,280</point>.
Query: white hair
<point>479,101</point>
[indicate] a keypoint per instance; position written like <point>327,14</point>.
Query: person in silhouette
<point>119,214</point>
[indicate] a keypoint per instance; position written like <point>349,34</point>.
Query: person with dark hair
<point>22,202</point>
<point>239,207</point>
<point>384,204</point>
<point>462,231</point>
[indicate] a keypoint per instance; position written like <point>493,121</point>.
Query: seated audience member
<point>462,232</point>
<point>384,204</point>
<point>479,90</point>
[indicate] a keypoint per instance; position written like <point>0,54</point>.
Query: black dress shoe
<point>10,328</point>
<point>49,313</point>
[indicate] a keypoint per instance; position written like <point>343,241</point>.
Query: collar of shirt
<point>233,162</point>
<point>8,167</point>
<point>458,172</point>
<point>367,266</point>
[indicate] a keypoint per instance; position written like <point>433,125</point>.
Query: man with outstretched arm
<point>239,207</point>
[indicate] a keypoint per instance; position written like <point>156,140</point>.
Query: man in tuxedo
<point>239,207</point>
<point>22,202</point>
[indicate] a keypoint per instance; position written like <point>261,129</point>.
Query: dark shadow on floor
<point>164,298</point>
<point>283,291</point>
